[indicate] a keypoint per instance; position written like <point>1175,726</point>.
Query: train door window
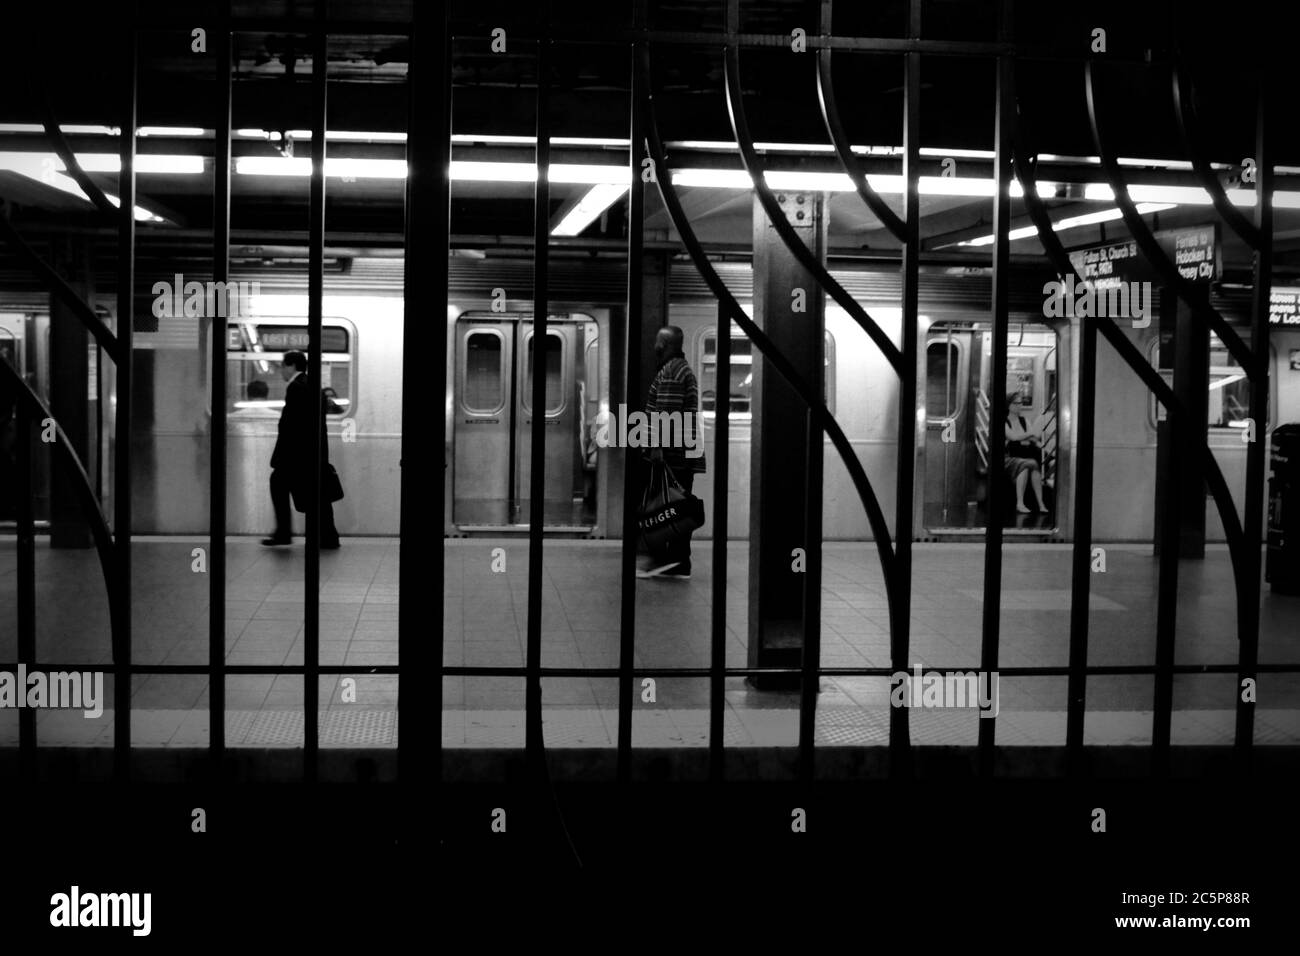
<point>940,380</point>
<point>484,373</point>
<point>553,348</point>
<point>1229,398</point>
<point>742,378</point>
<point>255,349</point>
<point>9,349</point>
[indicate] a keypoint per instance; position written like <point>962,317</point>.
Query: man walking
<point>292,462</point>
<point>674,392</point>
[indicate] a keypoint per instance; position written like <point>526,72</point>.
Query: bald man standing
<point>675,389</point>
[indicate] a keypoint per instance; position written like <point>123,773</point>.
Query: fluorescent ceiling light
<point>599,198</point>
<point>338,167</point>
<point>1227,380</point>
<point>566,173</point>
<point>486,139</point>
<point>838,182</point>
<point>37,165</point>
<point>1071,222</point>
<point>589,175</point>
<point>171,131</point>
<point>78,130</point>
<point>44,168</point>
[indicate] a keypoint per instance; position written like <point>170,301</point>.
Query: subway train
<point>487,408</point>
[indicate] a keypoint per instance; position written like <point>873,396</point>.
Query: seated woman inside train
<point>1024,455</point>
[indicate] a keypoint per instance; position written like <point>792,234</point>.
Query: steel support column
<point>789,308</point>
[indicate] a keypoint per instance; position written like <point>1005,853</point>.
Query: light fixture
<point>1072,222</point>
<point>599,198</point>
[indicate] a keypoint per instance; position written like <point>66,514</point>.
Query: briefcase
<point>331,489</point>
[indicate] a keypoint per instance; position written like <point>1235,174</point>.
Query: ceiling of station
<point>494,96</point>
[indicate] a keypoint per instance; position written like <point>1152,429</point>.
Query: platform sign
<point>1284,307</point>
<point>1194,251</point>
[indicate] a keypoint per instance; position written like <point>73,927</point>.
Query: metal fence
<point>421,670</point>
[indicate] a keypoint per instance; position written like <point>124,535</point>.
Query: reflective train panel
<point>487,407</point>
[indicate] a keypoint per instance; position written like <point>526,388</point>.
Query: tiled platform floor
<point>484,622</point>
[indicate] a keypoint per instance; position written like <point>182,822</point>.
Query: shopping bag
<point>668,514</point>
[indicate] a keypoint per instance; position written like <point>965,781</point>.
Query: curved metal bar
<point>740,128</point>
<point>64,151</point>
<point>844,149</point>
<point>94,516</point>
<point>1133,358</point>
<point>1151,249</point>
<point>54,282</point>
<point>1185,114</point>
<point>875,516</point>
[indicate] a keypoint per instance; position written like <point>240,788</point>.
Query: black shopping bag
<point>668,514</point>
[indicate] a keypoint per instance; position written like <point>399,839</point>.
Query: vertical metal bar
<point>537,461</point>
<point>721,466</point>
<point>1180,450</point>
<point>900,625</point>
<point>217,478</point>
<point>632,396</point>
<point>424,358</point>
<point>810,679</point>
<point>1003,124</point>
<point>26,580</point>
<point>122,451</point>
<point>1081,560</point>
<point>315,296</point>
<point>1252,531</point>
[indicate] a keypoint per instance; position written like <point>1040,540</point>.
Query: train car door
<point>561,413</point>
<point>493,420</point>
<point>484,403</point>
<point>952,432</point>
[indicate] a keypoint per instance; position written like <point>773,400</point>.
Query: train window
<point>1229,398</point>
<point>554,348</point>
<point>484,373</point>
<point>254,351</point>
<point>941,361</point>
<point>9,349</point>
<point>742,378</point>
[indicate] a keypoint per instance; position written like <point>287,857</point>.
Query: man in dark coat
<point>291,462</point>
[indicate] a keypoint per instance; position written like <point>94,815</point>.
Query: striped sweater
<point>674,389</point>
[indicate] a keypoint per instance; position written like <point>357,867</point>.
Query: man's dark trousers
<point>282,483</point>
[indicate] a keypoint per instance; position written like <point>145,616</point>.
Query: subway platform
<point>485,623</point>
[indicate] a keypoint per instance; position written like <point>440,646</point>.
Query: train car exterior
<point>487,410</point>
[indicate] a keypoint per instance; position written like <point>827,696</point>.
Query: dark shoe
<point>274,542</point>
<point>330,545</point>
<point>682,571</point>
